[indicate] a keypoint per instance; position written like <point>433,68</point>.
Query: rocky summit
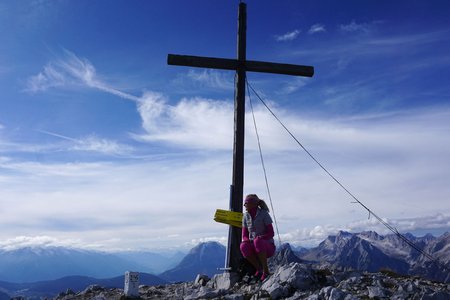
<point>290,281</point>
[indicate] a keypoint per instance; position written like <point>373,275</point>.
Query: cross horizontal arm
<point>202,62</point>
<point>277,68</point>
<point>234,64</point>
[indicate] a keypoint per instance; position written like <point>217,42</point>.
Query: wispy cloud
<point>93,143</point>
<point>210,78</point>
<point>102,145</point>
<point>316,28</point>
<point>195,122</point>
<point>427,223</point>
<point>8,146</point>
<point>416,39</point>
<point>37,241</point>
<point>354,27</point>
<point>293,85</point>
<point>399,59</point>
<point>46,79</point>
<point>289,36</point>
<point>71,71</point>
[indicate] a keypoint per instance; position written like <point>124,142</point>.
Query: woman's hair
<point>261,202</point>
<point>263,205</point>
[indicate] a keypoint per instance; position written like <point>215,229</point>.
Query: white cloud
<point>46,79</point>
<point>151,107</point>
<point>293,85</point>
<point>150,198</point>
<point>91,143</point>
<point>221,239</point>
<point>412,40</point>
<point>101,145</point>
<point>210,78</point>
<point>308,237</point>
<point>377,45</point>
<point>438,221</point>
<point>195,123</point>
<point>7,146</point>
<point>355,27</point>
<point>289,36</point>
<point>71,71</point>
<point>37,241</point>
<point>316,28</point>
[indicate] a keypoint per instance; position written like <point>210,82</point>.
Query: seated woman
<point>257,235</point>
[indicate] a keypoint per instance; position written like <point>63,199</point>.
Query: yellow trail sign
<point>232,218</point>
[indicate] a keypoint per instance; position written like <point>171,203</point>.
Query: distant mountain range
<point>371,252</point>
<point>205,258</point>
<point>365,251</point>
<point>30,264</point>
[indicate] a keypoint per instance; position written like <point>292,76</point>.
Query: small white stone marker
<point>131,284</point>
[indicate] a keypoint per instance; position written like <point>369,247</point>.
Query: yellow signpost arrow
<point>232,218</point>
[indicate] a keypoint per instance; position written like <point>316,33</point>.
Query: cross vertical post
<point>235,234</point>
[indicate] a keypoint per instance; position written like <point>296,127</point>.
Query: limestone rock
<point>201,280</point>
<point>290,281</point>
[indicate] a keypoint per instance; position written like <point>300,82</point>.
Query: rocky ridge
<point>292,281</point>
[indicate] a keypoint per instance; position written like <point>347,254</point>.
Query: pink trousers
<point>249,248</point>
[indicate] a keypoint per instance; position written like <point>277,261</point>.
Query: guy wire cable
<point>262,163</point>
<point>387,225</point>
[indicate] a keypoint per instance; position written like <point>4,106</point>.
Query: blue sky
<point>105,146</point>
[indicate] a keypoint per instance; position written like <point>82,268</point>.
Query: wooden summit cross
<point>240,65</point>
